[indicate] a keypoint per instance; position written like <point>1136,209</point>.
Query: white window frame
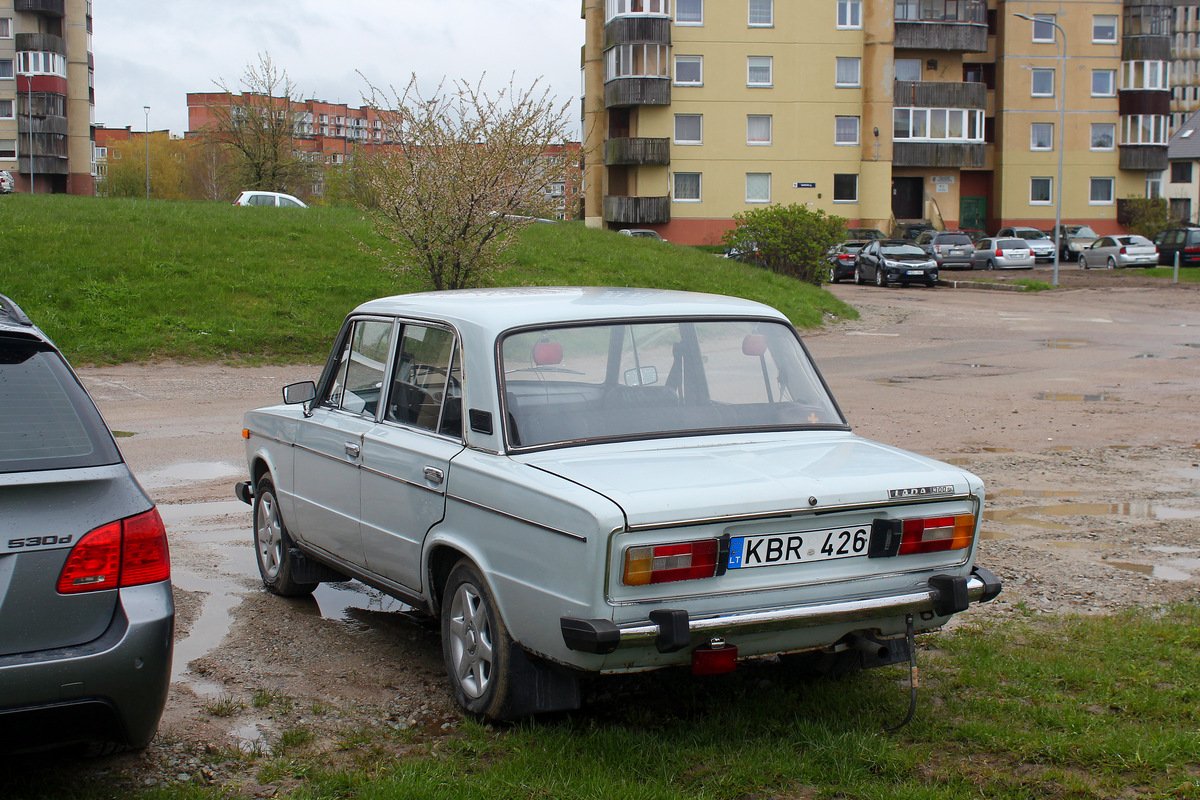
<point>636,8</point>
<point>33,62</point>
<point>1093,183</point>
<point>696,22</point>
<point>698,60</point>
<point>620,61</point>
<point>849,15</point>
<point>1097,24</point>
<point>6,28</point>
<point>699,188</point>
<point>750,199</point>
<point>5,150</point>
<point>688,142</point>
<point>1112,83</point>
<point>838,63</point>
<point>12,109</point>
<point>1049,194</point>
<point>1043,22</point>
<point>12,69</point>
<point>770,130</point>
<point>770,66</point>
<point>1144,129</point>
<point>762,5</point>
<point>1145,75</point>
<point>1033,138</point>
<point>920,121</point>
<point>1112,129</point>
<point>1033,76</point>
<point>838,122</point>
<point>834,194</point>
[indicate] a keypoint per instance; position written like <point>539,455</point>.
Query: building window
<point>6,109</point>
<point>1181,172</point>
<point>101,152</point>
<point>758,129</point>
<point>5,27</point>
<point>1181,209</point>
<point>758,187</point>
<point>845,130</point>
<point>1043,27</point>
<point>689,128</point>
<point>1040,191</point>
<point>849,14</point>
<point>908,69</point>
<point>1104,83</point>
<point>8,149</point>
<point>687,187</point>
<point>845,188</point>
<point>1144,75</point>
<point>1043,83</point>
<point>1041,136</point>
<point>758,71</point>
<point>1101,192</point>
<point>34,63</point>
<point>1104,28</point>
<point>1154,185</point>
<point>761,13</point>
<point>636,61</point>
<point>1104,135</point>
<point>689,70</point>
<point>937,124</point>
<point>689,12</point>
<point>6,68</point>
<point>619,8</point>
<point>1144,129</point>
<point>849,72</point>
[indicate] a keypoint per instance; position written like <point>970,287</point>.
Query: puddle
<point>1062,344</point>
<point>1162,571</point>
<point>1191,344</point>
<point>178,474</point>
<point>1068,397</point>
<point>995,535</point>
<point>122,434</point>
<point>1032,493</point>
<point>997,450</point>
<point>1145,355</point>
<point>338,601</point>
<point>1140,509</point>
<point>957,461</point>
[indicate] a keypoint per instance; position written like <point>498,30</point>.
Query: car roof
<point>15,321</point>
<point>494,310</point>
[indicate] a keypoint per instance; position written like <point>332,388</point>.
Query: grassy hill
<point>134,280</point>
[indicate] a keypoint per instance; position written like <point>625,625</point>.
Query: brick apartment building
<point>938,110</point>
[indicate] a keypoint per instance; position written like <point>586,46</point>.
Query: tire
<point>272,545</point>
<point>879,279</point>
<point>1083,262</point>
<point>858,278</point>
<point>991,264</point>
<point>833,278</point>
<point>1112,263</point>
<point>475,644</point>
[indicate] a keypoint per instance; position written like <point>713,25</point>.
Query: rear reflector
<point>937,534</point>
<point>715,658</point>
<point>670,562</point>
<point>128,552</point>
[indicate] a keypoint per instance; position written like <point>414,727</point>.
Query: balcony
<point>40,42</point>
<point>637,150</point>
<point>637,210</point>
<point>631,30</point>
<point>954,25</point>
<point>51,8</point>
<point>1152,157</point>
<point>637,92</point>
<point>939,94</point>
<point>962,155</point>
<point>41,125</point>
<point>44,165</point>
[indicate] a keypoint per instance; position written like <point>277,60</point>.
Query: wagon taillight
<point>663,563</point>
<point>935,534</point>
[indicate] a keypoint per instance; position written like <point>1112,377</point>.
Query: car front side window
<point>358,379</point>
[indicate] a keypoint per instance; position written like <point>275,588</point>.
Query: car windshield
<point>1080,232</point>
<point>901,250</point>
<point>646,380</point>
<point>1031,234</point>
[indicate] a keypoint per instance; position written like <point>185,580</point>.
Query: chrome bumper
<point>671,629</point>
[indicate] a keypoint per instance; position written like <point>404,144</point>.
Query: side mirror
<point>646,376</point>
<point>299,392</point>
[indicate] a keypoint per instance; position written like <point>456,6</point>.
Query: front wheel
<point>475,644</point>
<point>858,278</point>
<point>879,279</point>
<point>1083,263</point>
<point>272,545</point>
<point>991,264</point>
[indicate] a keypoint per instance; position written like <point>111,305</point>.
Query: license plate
<point>797,548</point>
<point>915,272</point>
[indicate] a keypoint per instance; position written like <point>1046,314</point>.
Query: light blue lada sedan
<point>597,480</point>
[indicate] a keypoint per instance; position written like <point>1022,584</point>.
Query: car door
<point>867,260</point>
<point>328,451</point>
<point>406,456</point>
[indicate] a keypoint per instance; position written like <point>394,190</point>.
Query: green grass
<point>1186,274</point>
<point>131,280</point>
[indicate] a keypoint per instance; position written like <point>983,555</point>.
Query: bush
<point>791,240</point>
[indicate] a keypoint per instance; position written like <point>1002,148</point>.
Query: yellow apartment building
<point>946,111</point>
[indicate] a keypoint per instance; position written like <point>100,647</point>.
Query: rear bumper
<point>116,684</point>
<point>670,630</point>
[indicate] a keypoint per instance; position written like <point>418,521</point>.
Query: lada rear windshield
<point>662,378</point>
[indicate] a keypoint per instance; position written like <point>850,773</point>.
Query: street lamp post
<point>147,109</point>
<point>1062,126</point>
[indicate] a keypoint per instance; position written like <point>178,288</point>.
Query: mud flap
<point>539,687</point>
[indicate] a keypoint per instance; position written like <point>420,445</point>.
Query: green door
<point>972,213</point>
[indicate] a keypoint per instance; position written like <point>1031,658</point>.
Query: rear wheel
<point>475,644</point>
<point>1112,263</point>
<point>833,278</point>
<point>272,545</point>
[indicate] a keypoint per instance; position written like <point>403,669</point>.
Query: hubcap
<point>470,641</point>
<point>268,529</point>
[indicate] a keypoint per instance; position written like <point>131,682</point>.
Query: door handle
<point>352,449</point>
<point>434,475</point>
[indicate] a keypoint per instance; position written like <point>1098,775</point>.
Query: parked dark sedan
<point>1182,241</point>
<point>842,260</point>
<point>888,261</point>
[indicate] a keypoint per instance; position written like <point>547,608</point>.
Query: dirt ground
<point>1080,409</point>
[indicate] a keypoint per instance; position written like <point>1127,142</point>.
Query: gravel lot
<point>1078,407</point>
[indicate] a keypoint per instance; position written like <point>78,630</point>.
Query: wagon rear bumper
<point>671,630</point>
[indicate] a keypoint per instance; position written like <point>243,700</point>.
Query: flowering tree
<point>465,170</point>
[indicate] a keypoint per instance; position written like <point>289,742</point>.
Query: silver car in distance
<point>598,480</point>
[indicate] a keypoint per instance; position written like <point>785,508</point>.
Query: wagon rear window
<point>643,380</point>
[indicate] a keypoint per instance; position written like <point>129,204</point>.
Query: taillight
<point>936,534</point>
<point>664,563</point>
<point>845,257</point>
<point>128,552</point>
<point>1122,251</point>
<point>999,253</point>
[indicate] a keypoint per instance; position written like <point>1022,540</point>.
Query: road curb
<point>994,287</point>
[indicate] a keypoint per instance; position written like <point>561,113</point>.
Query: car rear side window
<point>47,420</point>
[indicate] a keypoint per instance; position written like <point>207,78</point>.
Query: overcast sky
<point>150,52</point>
